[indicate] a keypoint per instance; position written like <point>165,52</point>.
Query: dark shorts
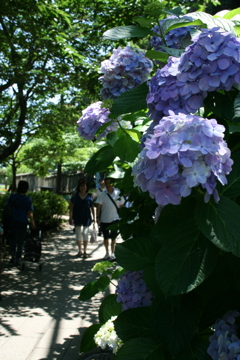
<point>109,234</point>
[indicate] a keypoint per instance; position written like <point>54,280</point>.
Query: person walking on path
<point>22,210</point>
<point>81,215</point>
<point>99,190</point>
<point>108,203</point>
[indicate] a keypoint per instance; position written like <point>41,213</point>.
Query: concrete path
<point>41,317</point>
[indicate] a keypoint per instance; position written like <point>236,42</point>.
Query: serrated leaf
<point>87,342</point>
<point>236,108</point>
<point>130,101</point>
<point>232,188</point>
<point>109,307</point>
<point>196,350</point>
<point>142,21</point>
<point>157,55</point>
<point>100,160</point>
<point>123,32</point>
<point>136,253</point>
<point>211,22</point>
<point>220,223</point>
<point>134,323</point>
<point>173,52</point>
<point>118,272</point>
<point>91,289</point>
<point>230,14</point>
<point>135,135</point>
<point>141,349</point>
<point>184,262</point>
<point>126,148</point>
<point>174,325</point>
<point>186,23</point>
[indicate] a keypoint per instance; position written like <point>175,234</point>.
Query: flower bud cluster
<point>107,336</point>
<point>211,63</point>
<point>93,117</point>
<point>224,343</point>
<point>124,70</point>
<point>132,291</point>
<point>174,39</point>
<point>183,152</point>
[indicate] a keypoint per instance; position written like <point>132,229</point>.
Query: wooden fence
<point>68,182</point>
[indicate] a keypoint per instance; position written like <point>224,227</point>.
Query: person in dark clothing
<point>22,210</point>
<point>81,215</point>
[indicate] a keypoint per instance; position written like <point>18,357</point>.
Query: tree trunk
<point>14,172</point>
<point>59,178</point>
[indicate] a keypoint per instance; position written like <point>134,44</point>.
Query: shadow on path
<point>40,310</point>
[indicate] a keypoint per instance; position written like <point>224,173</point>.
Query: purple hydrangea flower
<point>132,291</point>
<point>175,39</point>
<point>124,70</point>
<point>183,151</point>
<point>224,343</point>
<point>93,117</point>
<point>210,63</point>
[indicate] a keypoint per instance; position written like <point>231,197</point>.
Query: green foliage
<point>189,255</point>
<point>48,207</point>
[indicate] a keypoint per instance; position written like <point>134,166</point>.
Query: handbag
<point>93,237</point>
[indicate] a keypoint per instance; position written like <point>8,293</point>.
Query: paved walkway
<point>41,317</point>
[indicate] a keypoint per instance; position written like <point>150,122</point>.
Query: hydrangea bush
<point>177,268</point>
<point>132,291</point>
<point>125,70</point>
<point>176,38</point>
<point>183,152</point>
<point>93,117</point>
<point>224,343</point>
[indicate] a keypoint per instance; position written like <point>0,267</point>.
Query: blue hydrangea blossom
<point>224,343</point>
<point>93,117</point>
<point>174,39</point>
<point>124,70</point>
<point>132,290</point>
<point>211,63</point>
<point>184,151</point>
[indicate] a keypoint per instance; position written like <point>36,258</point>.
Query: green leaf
<point>197,349</point>
<point>123,32</point>
<point>109,307</point>
<point>185,260</point>
<point>173,52</point>
<point>87,342</point>
<point>211,22</point>
<point>134,323</point>
<point>237,30</point>
<point>130,101</point>
<point>118,272</point>
<point>176,24</point>
<point>232,188</point>
<point>157,55</point>
<point>94,287</point>
<point>141,349</point>
<point>142,21</point>
<point>100,160</point>
<point>136,254</point>
<point>149,276</point>
<point>126,148</point>
<point>230,14</point>
<point>220,223</point>
<point>236,115</point>
<point>215,102</point>
<point>173,325</point>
